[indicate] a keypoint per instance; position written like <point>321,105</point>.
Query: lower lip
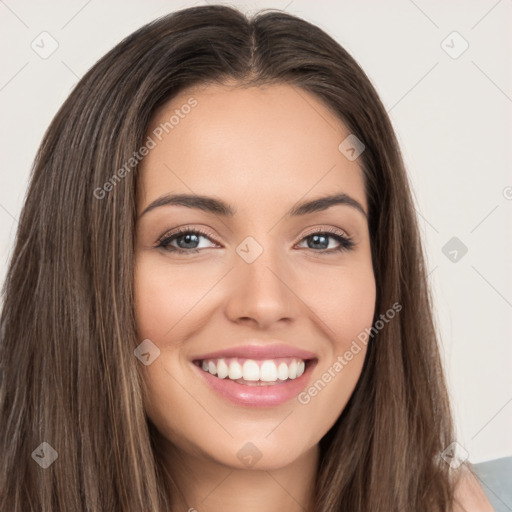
<point>258,396</point>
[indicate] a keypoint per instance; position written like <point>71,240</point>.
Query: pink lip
<point>258,396</point>
<point>261,351</point>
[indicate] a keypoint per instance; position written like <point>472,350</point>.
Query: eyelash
<point>345,242</point>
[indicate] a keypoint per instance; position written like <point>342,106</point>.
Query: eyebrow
<point>219,207</point>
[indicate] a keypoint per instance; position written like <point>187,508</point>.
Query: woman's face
<point>265,285</point>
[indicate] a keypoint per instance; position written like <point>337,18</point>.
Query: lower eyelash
<point>345,243</point>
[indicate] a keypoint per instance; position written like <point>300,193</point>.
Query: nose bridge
<point>260,261</point>
<point>260,281</point>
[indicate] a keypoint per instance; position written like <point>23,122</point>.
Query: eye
<point>187,241</point>
<point>320,240</point>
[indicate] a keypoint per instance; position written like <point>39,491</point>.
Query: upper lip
<point>259,350</point>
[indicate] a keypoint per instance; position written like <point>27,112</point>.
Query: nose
<point>261,291</point>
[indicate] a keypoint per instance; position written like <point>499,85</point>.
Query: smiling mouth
<point>255,372</point>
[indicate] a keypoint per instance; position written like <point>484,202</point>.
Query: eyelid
<point>326,229</point>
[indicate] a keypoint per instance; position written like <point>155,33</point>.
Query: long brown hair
<point>70,378</point>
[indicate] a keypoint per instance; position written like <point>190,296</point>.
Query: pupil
<point>188,241</point>
<point>316,239</point>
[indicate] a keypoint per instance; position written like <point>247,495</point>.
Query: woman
<point>288,358</point>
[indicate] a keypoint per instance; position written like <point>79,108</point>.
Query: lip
<point>257,396</point>
<point>258,350</point>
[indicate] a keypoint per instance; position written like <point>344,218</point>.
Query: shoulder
<point>469,495</point>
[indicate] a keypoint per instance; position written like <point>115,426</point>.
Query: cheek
<point>163,298</point>
<point>158,309</point>
<point>343,300</point>
<point>345,304</point>
<point>353,308</point>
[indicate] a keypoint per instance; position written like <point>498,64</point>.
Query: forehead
<point>255,146</point>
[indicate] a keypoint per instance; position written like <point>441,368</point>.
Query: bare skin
<point>262,150</point>
<point>469,495</point>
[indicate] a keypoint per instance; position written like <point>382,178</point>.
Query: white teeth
<point>282,371</point>
<point>212,368</point>
<point>251,370</point>
<point>235,371</point>
<point>254,371</point>
<point>292,370</point>
<point>222,369</point>
<point>268,371</point>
